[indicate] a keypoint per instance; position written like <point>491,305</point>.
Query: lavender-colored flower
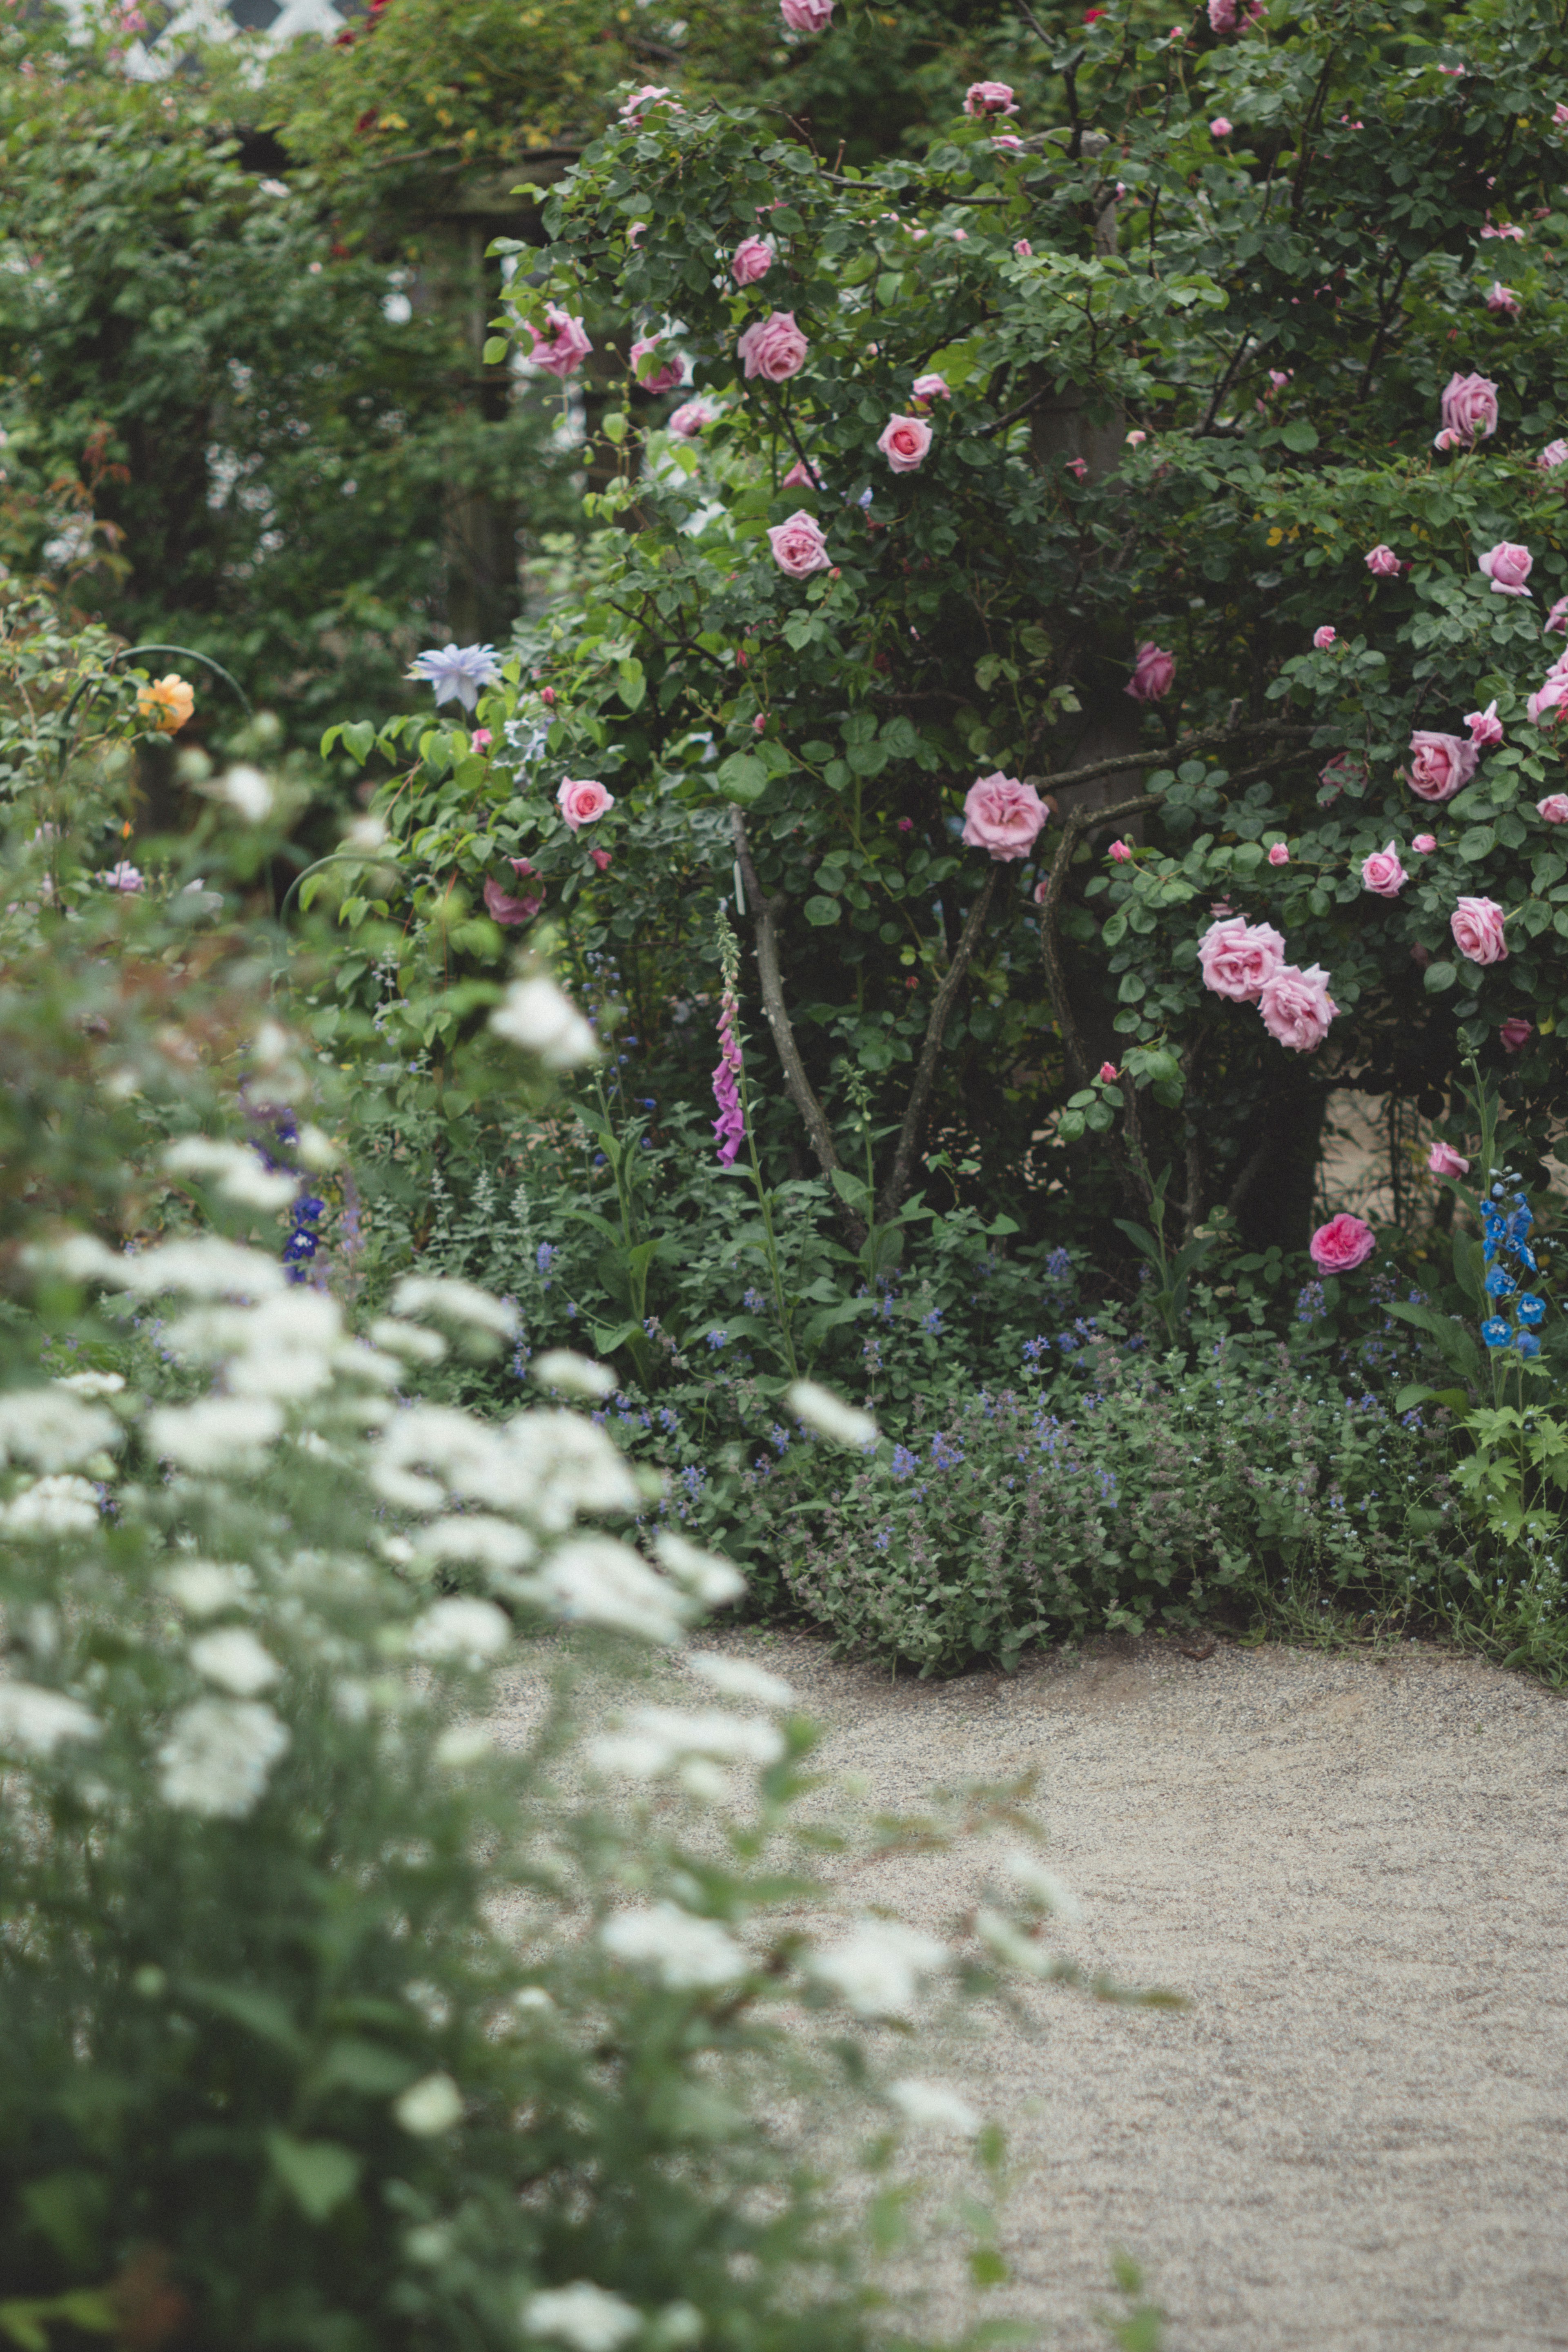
<point>730,1127</point>
<point>457,672</point>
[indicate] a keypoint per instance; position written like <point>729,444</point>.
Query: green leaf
<point>495,349</point>
<point>742,778</point>
<point>1299,434</point>
<point>1438,977</point>
<point>632,686</point>
<point>820,912</point>
<point>318,2173</point>
<point>359,737</point>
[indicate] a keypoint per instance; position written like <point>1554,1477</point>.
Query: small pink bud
<point>1424,843</point>
<point>1516,1033</point>
<point>1221,127</point>
<point>906,824</point>
<point>758,724</point>
<point>1118,852</point>
<point>1022,248</point>
<point>601,858</point>
<point>1323,638</point>
<point>1108,1073</point>
<point>1278,855</point>
<point>547,694</point>
<point>480,739</point>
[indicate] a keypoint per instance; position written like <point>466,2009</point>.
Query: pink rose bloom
<point>1239,959</point>
<point>1554,808</point>
<point>1323,638</point>
<point>1022,248</point>
<point>1343,1244</point>
<point>927,388</point>
<point>806,15</point>
<point>987,98</point>
<point>1502,301</point>
<point>661,377</point>
<point>688,419</point>
<point>798,546</point>
<point>1297,1007</point>
<point>1485,726</point>
<point>1280,377</point>
<point>1119,853</point>
<point>800,477</point>
<point>581,801</point>
<point>642,102</point>
<point>1507,566</point>
<point>1003,815</point>
<point>1424,843</point>
<point>774,347</point>
<point>1007,143</point>
<point>1109,1074</point>
<point>1515,1032</point>
<point>1077,468</point>
<point>601,858</point>
<point>1278,855</point>
<point>1560,114</point>
<point>480,739</point>
<point>564,348</point>
<point>1383,563</point>
<point>1557,619</point>
<point>1440,765</point>
<point>1551,695</point>
<point>751,260</point>
<point>1443,1160</point>
<point>904,441</point>
<point>1382,874</point>
<point>1555,454</point>
<point>503,908</point>
<point>1152,673</point>
<point>1470,407</point>
<point>1477,925</point>
<point>1220,126</point>
<point>1136,439</point>
<point>1222,16</point>
<point>636,234</point>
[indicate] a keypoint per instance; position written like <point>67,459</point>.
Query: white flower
<point>285,1346</point>
<point>52,1506</point>
<point>829,1415</point>
<point>739,1679</point>
<point>466,1631</point>
<point>217,1434</point>
<point>92,1384</point>
<point>565,1465</point>
<point>316,1150</point>
<point>366,834</point>
<point>930,2107</point>
<point>218,1756</point>
<point>457,672</point>
<point>686,1954</point>
<point>203,1587</point>
<point>465,1743</point>
<point>1043,1885</point>
<point>582,2317</point>
<point>575,1375</point>
<point>52,1428</point>
<point>598,1581</point>
<point>408,1339</point>
<point>534,1015</point>
<point>429,2107</point>
<point>657,1737</point>
<point>207,1268</point>
<point>236,1661</point>
<point>247,791</point>
<point>235,1168</point>
<point>495,1544</point>
<point>876,1968</point>
<point>451,1301</point>
<point>33,1722</point>
<point>707,1577</point>
<point>1009,1943</point>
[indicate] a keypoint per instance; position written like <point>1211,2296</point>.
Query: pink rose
<point>1515,1033</point>
<point>1507,566</point>
<point>1478,928</point>
<point>1383,563</point>
<point>1297,1007</point>
<point>124,876</point>
<point>1220,126</point>
<point>564,348</point>
<point>904,441</point>
<point>1077,468</point>
<point>806,15</point>
<point>1003,815</point>
<point>1424,843</point>
<point>1007,143</point>
<point>601,858</point>
<point>1485,726</point>
<point>1557,619</point>
<point>581,801</point>
<point>1560,114</point>
<point>1551,695</point>
<point>1222,16</point>
<point>1440,765</point>
<point>1382,874</point>
<point>774,347</point>
<point>1443,1160</point>
<point>1470,407</point>
<point>1136,439</point>
<point>1109,1074</point>
<point>927,388</point>
<point>643,101</point>
<point>800,477</point>
<point>760,723</point>
<point>480,739</point>
<point>987,98</point>
<point>1280,377</point>
<point>1119,854</point>
<point>798,546</point>
<point>1323,638</point>
<point>636,232</point>
<point>688,419</point>
<point>651,372</point>
<point>1343,1244</point>
<point>1553,809</point>
<point>751,260</point>
<point>1555,454</point>
<point>1152,673</point>
<point>506,910</point>
<point>1502,301</point>
<point>1278,855</point>
<point>1239,959</point>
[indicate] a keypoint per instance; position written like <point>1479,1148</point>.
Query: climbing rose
<point>1383,563</point>
<point>1343,1244</point>
<point>1424,843</point>
<point>774,347</point>
<point>1555,454</point>
<point>1507,566</point>
<point>1382,874</point>
<point>1515,1032</point>
<point>168,702</point>
<point>1152,673</point>
<point>1554,808</point>
<point>1502,301</point>
<point>1297,1007</point>
<point>751,260</point>
<point>1023,249</point>
<point>688,419</point>
<point>1551,695</point>
<point>506,909</point>
<point>581,800</point>
<point>642,102</point>
<point>800,477</point>
<point>987,98</point>
<point>1323,638</point>
<point>806,15</point>
<point>1478,928</point>
<point>1118,852</point>
<point>1278,855</point>
<point>1109,1074</point>
<point>564,348</point>
<point>1557,619</point>
<point>927,388</point>
<point>904,441</point>
<point>659,377</point>
<point>798,546</point>
<point>1485,726</point>
<point>1443,1160</point>
<point>1237,959</point>
<point>1220,126</point>
<point>1440,765</point>
<point>1470,407</point>
<point>1003,815</point>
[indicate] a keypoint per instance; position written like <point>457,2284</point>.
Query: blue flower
<point>1526,1258</point>
<point>753,1302</point>
<point>1499,1284</point>
<point>931,1322</point>
<point>1497,1331</point>
<point>717,1339</point>
<point>1310,1305</point>
<point>903,1463</point>
<point>1532,1309</point>
<point>1034,1348</point>
<point>544,1256</point>
<point>457,672</point>
<point>1059,1266</point>
<point>1528,1344</point>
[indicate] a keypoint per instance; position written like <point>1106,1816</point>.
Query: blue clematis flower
<point>1499,1283</point>
<point>1532,1310</point>
<point>457,672</point>
<point>1497,1331</point>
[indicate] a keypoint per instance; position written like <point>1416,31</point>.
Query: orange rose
<point>168,702</point>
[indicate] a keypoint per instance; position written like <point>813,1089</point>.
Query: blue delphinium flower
<point>1497,1331</point>
<point>1499,1283</point>
<point>457,672</point>
<point>1532,1309</point>
<point>1528,1344</point>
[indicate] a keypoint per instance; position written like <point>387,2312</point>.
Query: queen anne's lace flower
<point>236,1661</point>
<point>34,1722</point>
<point>215,1434</point>
<point>829,1415</point>
<point>687,1955</point>
<point>465,1631</point>
<point>51,1506</point>
<point>933,2107</point>
<point>739,1679</point>
<point>581,2316</point>
<point>53,1429</point>
<point>235,1168</point>
<point>218,1756</point>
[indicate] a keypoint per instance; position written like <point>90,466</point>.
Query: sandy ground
<point>1356,2136</point>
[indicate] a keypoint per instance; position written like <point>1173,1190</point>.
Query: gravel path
<point>1356,2136</point>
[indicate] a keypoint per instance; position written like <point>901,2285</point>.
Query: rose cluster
<point>1246,962</point>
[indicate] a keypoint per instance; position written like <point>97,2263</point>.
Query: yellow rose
<point>168,701</point>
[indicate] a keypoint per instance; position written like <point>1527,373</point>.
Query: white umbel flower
<point>933,2107</point>
<point>451,1301</point>
<point>51,1506</point>
<point>492,1544</point>
<point>573,1375</point>
<point>687,1955</point>
<point>876,1968</point>
<point>535,1015</point>
<point>203,1587</point>
<point>429,2107</point>
<point>236,1661</point>
<point>410,1341</point>
<point>658,1739</point>
<point>820,1410</point>
<point>207,1268</point>
<point>233,1167</point>
<point>34,1722</point>
<point>711,1580</point>
<point>598,1581</point>
<point>52,1428</point>
<point>218,1756</point>
<point>581,2316</point>
<point>92,1384</point>
<point>216,1433</point>
<point>739,1679</point>
<point>464,1632</point>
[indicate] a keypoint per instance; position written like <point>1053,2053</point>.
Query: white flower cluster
<point>34,1722</point>
<point>878,1968</point>
<point>686,1954</point>
<point>583,2317</point>
<point>218,1756</point>
<point>236,1170</point>
<point>53,1428</point>
<point>657,1740</point>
